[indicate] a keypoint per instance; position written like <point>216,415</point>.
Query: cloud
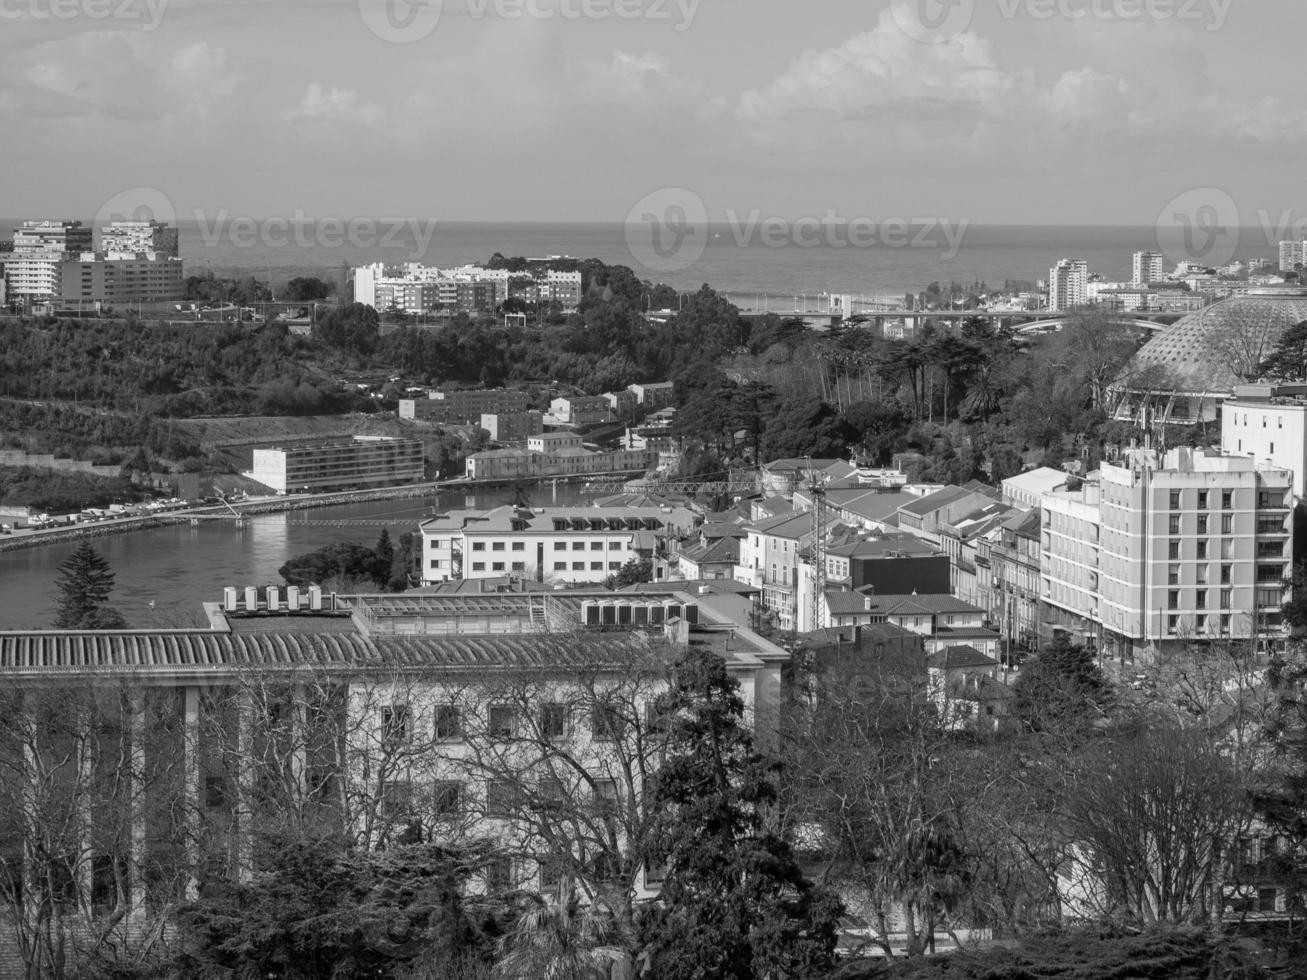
<point>335,105</point>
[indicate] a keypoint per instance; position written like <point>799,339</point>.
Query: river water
<point>163,574</point>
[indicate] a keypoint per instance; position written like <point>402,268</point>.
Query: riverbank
<point>39,538</point>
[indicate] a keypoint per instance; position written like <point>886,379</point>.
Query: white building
<point>1157,552</point>
<point>341,464</point>
<point>1068,284</point>
<point>556,544</point>
<point>1269,423</point>
<point>1148,267</point>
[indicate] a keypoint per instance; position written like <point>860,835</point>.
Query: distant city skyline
<point>1011,112</point>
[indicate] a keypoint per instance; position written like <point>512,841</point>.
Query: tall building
<point>119,278</point>
<point>1068,284</point>
<point>136,237</point>
<point>344,464</point>
<point>59,237</point>
<point>1291,255</point>
<point>1161,551</point>
<point>33,272</point>
<point>1148,267</point>
<point>1269,423</point>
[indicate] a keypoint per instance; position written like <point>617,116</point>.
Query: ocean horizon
<point>743,259</point>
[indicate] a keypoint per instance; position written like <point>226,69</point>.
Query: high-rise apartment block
<point>1160,551</point>
<point>1148,267</point>
<point>139,237</point>
<point>1068,284</point>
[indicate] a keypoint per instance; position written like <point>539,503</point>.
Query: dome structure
<point>1185,372</point>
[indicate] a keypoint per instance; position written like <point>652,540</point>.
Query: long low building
<point>554,544</point>
<point>344,464</point>
<point>361,716</point>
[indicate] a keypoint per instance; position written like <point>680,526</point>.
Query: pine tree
<point>385,552</point>
<point>734,904</point>
<point>84,582</point>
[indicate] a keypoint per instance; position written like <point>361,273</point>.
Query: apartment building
<point>513,426</point>
<point>1163,550</point>
<point>770,560</point>
<point>139,237</point>
<point>463,406</point>
<point>120,279</point>
<point>569,460</point>
<point>1268,422</point>
<point>554,544</point>
<point>654,396</point>
<point>342,464</point>
<point>33,267</point>
<point>1148,267</point>
<point>1068,284</point>
<point>581,410</point>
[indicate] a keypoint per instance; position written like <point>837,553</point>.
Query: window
<point>503,796</point>
<point>1225,623</point>
<point>560,545</point>
<point>1202,523</point>
<point>1172,623</point>
<point>1175,500</point>
<point>1173,550</point>
<point>1269,597</point>
<point>435,562</point>
<point>578,566</point>
<point>449,722</point>
<point>1225,574</point>
<point>446,798</point>
<point>1202,574</point>
<point>1173,599</point>
<point>614,546</point>
<point>606,721</point>
<point>553,720</point>
<point>397,800</point>
<point>478,546</point>
<point>519,566</point>
<point>1202,499</point>
<point>1272,447</point>
<point>519,546</point>
<point>1227,596</point>
<point>1202,600</point>
<point>614,566</point>
<point>1174,524</point>
<point>1202,550</point>
<point>497,566</point>
<point>596,546</point>
<point>1226,497</point>
<point>578,546</point>
<point>394,726</point>
<point>498,875</point>
<point>478,566</point>
<point>501,721</point>
<point>606,797</point>
<point>596,566</point>
<point>1227,523</point>
<point>1172,574</point>
<point>497,546</point>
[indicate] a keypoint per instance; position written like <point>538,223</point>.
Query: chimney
<point>315,598</point>
<point>274,598</point>
<point>229,598</point>
<point>677,631</point>
<point>293,598</point>
<point>251,599</point>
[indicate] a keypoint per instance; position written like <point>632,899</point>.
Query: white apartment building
<point>1068,284</point>
<point>1148,267</point>
<point>1292,255</point>
<point>136,237</point>
<point>1157,552</point>
<point>1269,423</point>
<point>554,544</point>
<point>770,560</point>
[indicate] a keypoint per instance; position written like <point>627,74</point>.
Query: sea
<point>743,259</point>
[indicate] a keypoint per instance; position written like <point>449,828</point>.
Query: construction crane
<point>817,488</point>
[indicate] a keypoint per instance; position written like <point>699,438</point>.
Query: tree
<point>565,940</point>
<point>306,289</point>
<point>1061,689</point>
<point>734,903</point>
<point>385,559</point>
<point>634,572</point>
<point>84,582</point>
<point>353,327</point>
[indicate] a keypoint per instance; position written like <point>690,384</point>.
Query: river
<point>162,574</point>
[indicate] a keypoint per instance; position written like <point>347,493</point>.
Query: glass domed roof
<point>1211,351</point>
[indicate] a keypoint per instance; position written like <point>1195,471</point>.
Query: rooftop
<point>552,520</point>
<point>959,658</point>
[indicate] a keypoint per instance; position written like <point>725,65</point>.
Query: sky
<point>992,111</point>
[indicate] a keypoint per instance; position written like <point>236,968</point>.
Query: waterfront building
<point>136,237</point>
<point>52,237</point>
<point>360,717</point>
<point>1157,551</point>
<point>1148,267</point>
<point>1292,255</point>
<point>1185,372</point>
<point>548,456</point>
<point>513,426</point>
<point>548,544</point>
<point>1068,284</point>
<point>35,256</point>
<point>340,464</point>
<point>415,288</point>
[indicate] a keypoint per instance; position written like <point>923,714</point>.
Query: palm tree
<point>562,941</point>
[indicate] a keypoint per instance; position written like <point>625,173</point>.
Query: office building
<point>344,464</point>
<point>1068,284</point>
<point>513,426</point>
<point>1160,551</point>
<point>553,544</point>
<point>463,406</point>
<point>120,279</point>
<point>581,410</point>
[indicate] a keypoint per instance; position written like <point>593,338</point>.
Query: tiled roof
<point>847,603</point>
<point>959,658</point>
<point>921,506</point>
<point>898,605</point>
<point>785,526</point>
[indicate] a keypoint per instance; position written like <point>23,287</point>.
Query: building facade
<point>1068,284</point>
<point>136,237</point>
<point>1148,267</point>
<point>513,426</point>
<point>363,461</point>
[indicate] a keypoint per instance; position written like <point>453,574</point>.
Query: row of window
<point>558,545</point>
<point>1264,597</point>
<point>559,566</point>
<point>553,720</point>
